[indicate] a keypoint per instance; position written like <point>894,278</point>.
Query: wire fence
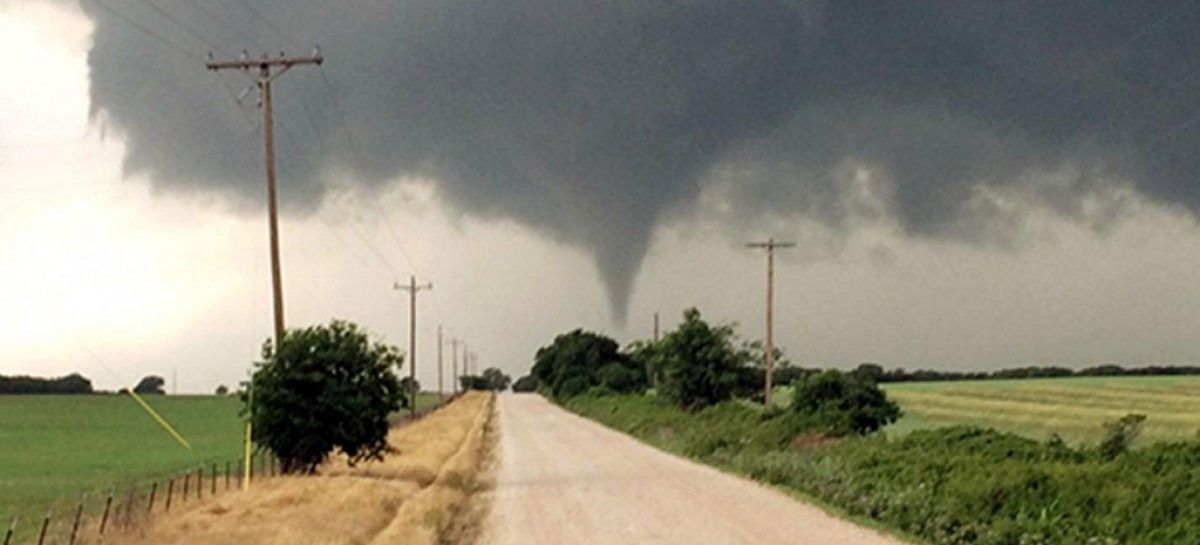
<point>87,518</point>
<point>125,506</point>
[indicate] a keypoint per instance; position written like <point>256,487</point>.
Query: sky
<point>964,194</point>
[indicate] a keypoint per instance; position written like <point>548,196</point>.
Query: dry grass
<point>402,499</point>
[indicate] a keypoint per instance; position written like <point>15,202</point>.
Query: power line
<point>148,31</point>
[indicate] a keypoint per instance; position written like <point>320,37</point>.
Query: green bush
<point>844,404</point>
<point>324,388</point>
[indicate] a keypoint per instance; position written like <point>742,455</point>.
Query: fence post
<point>45,526</point>
<point>153,492</point>
<point>187,477</point>
<point>214,479</point>
<point>78,516</point>
<point>199,482</point>
<point>107,507</point>
<point>170,492</point>
<point>227,474</point>
<point>12,528</point>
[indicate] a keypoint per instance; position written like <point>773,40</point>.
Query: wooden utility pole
<point>265,64</point>
<point>441,392</point>
<point>412,288</point>
<point>454,366</point>
<point>770,246</point>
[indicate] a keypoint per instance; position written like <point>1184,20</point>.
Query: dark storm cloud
<point>588,120</point>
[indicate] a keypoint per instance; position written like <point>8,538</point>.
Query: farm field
<point>1075,408</point>
<point>58,447</point>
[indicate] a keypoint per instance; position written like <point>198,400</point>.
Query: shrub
<point>701,365</point>
<point>527,383</point>
<point>844,404</point>
<point>324,388</point>
<point>1120,434</point>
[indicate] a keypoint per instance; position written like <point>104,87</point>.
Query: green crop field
<point>1074,408</point>
<point>54,448</point>
<point>57,447</point>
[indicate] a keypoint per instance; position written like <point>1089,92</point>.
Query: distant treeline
<point>879,374</point>
<point>70,384</point>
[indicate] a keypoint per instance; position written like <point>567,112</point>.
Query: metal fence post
<point>107,507</point>
<point>45,526</point>
<point>78,516</point>
<point>12,528</point>
<point>153,492</point>
<point>170,492</point>
<point>187,477</point>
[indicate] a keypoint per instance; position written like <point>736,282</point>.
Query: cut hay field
<point>1074,408</point>
<point>54,448</point>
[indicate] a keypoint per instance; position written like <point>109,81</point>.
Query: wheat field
<point>1074,408</point>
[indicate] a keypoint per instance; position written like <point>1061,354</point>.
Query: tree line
<point>877,373</point>
<point>70,384</point>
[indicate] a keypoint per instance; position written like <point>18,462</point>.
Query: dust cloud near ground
<point>566,480</point>
<point>408,498</point>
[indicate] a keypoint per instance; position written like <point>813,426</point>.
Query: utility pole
<point>655,327</point>
<point>770,246</point>
<point>265,64</point>
<point>454,365</point>
<point>412,288</point>
<point>441,392</point>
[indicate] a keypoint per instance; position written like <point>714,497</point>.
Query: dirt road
<point>566,480</point>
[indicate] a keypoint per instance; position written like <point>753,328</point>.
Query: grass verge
<point>946,486</point>
<point>397,500</point>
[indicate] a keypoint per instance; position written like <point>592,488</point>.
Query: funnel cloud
<point>592,121</point>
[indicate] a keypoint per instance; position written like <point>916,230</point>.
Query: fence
<point>128,505</point>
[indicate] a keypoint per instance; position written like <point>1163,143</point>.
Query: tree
<point>324,388</point>
<point>409,385</point>
<point>571,365</point>
<point>152,384</point>
<point>222,390</point>
<point>844,404</point>
<point>70,384</point>
<point>473,382</point>
<point>525,384</point>
<point>700,365</point>
<point>495,379</point>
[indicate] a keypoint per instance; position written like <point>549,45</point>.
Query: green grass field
<point>54,448</point>
<point>1074,408</point>
<point>57,447</point>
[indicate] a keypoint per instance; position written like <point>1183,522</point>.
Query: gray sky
<point>978,197</point>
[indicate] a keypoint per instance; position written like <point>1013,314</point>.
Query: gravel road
<point>563,479</point>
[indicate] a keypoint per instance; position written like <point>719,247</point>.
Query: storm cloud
<point>593,121</point>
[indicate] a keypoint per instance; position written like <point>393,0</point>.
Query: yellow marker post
<point>246,465</point>
<point>161,421</point>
